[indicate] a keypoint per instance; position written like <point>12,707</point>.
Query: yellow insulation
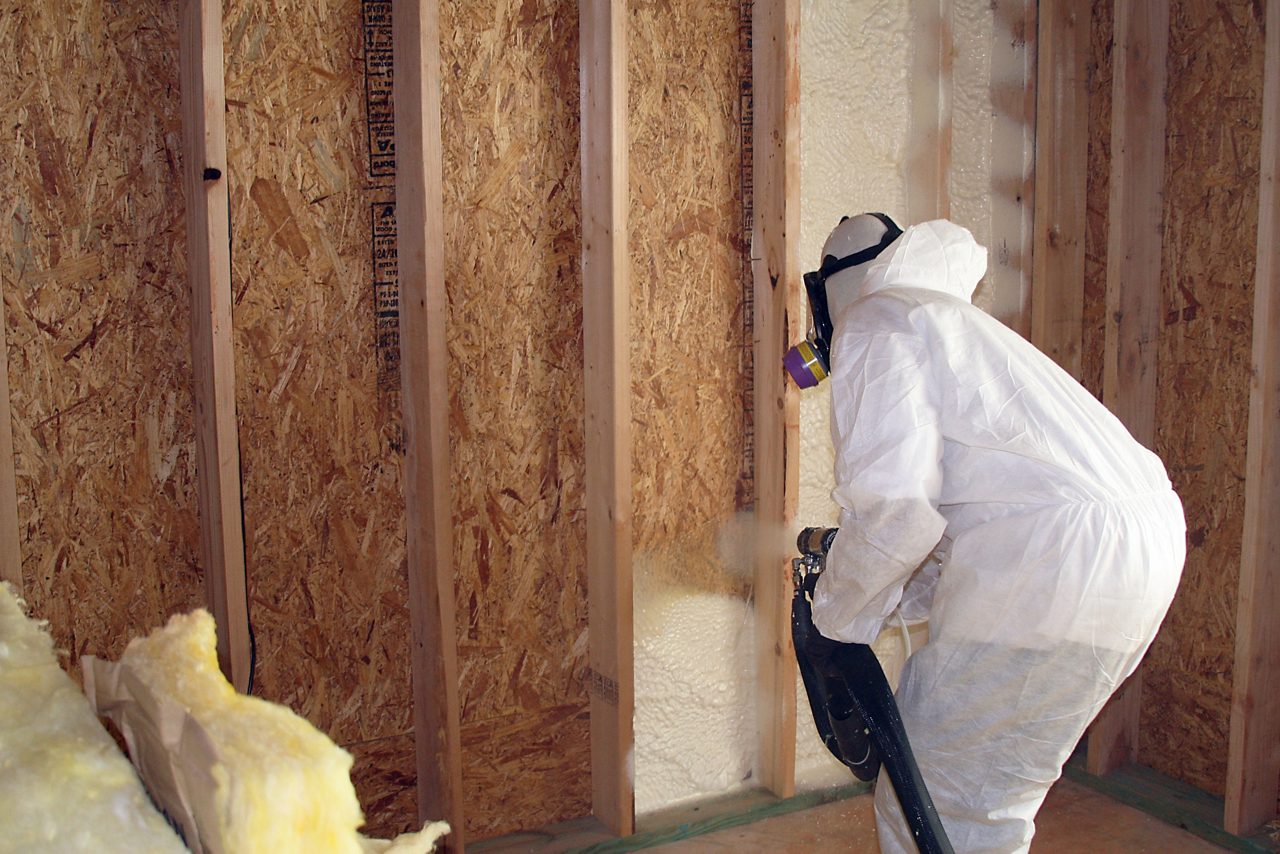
<point>64,785</point>
<point>239,773</point>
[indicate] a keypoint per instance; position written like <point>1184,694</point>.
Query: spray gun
<point>852,703</point>
<point>813,543</point>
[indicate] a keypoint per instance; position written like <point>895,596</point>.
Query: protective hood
<point>937,256</point>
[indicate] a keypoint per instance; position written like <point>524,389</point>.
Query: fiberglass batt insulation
<point>239,773</point>
<point>64,785</point>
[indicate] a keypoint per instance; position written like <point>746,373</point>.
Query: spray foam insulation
<point>64,784</point>
<point>969,190</point>
<point>1204,364</point>
<point>695,690</point>
<point>512,222</point>
<point>848,165</point>
<point>93,279</point>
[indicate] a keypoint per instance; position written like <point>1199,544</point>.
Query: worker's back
<point>1064,527</point>
<point>1018,428</point>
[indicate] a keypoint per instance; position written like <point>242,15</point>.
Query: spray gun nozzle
<point>816,541</point>
<point>813,543</point>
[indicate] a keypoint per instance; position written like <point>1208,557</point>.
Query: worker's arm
<point>888,443</point>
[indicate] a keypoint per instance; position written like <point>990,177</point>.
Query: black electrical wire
<point>211,174</point>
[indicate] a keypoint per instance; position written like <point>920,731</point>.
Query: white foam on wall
<point>971,115</point>
<point>854,113</point>
<point>855,58</point>
<point>695,701</point>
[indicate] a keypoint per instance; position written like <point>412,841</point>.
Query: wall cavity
<point>855,115</point>
<point>868,117</point>
<point>695,715</point>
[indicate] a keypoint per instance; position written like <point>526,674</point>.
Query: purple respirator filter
<point>805,364</point>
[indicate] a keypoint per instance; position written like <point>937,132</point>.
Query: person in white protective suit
<point>1057,539</point>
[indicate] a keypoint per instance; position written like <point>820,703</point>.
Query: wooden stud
<point>10,546</point>
<point>212,355</point>
<point>424,373</point>
<point>1253,757</point>
<point>929,151</point>
<point>1133,286</point>
<point>1013,151</point>
<point>606,297</point>
<point>775,238</point>
<point>1061,175</point>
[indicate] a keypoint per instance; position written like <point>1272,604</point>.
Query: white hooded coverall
<point>1064,540</point>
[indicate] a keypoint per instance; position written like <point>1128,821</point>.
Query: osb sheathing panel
<point>93,277</point>
<point>1210,230</point>
<point>383,775</point>
<point>323,500</point>
<point>1097,198</point>
<point>512,221</point>
<point>687,296</point>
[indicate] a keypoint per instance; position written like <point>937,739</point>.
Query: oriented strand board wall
<point>96,304</point>
<point>1211,173</point>
<point>323,501</point>
<point>512,209</point>
<point>686,253</point>
<point>1211,221</point>
<point>92,274</point>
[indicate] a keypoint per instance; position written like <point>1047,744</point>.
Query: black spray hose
<point>874,701</point>
<point>858,718</point>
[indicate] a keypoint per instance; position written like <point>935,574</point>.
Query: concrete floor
<point>1073,820</point>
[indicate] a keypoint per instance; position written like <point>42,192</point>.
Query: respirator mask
<point>809,362</point>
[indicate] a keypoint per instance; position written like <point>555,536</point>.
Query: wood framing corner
<point>212,355</point>
<point>928,168</point>
<point>1133,297</point>
<point>775,238</point>
<point>1011,201</point>
<point>424,373</point>
<point>1061,177</point>
<point>1253,759</point>
<point>607,391</point>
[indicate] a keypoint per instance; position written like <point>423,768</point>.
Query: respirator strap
<point>832,265</point>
